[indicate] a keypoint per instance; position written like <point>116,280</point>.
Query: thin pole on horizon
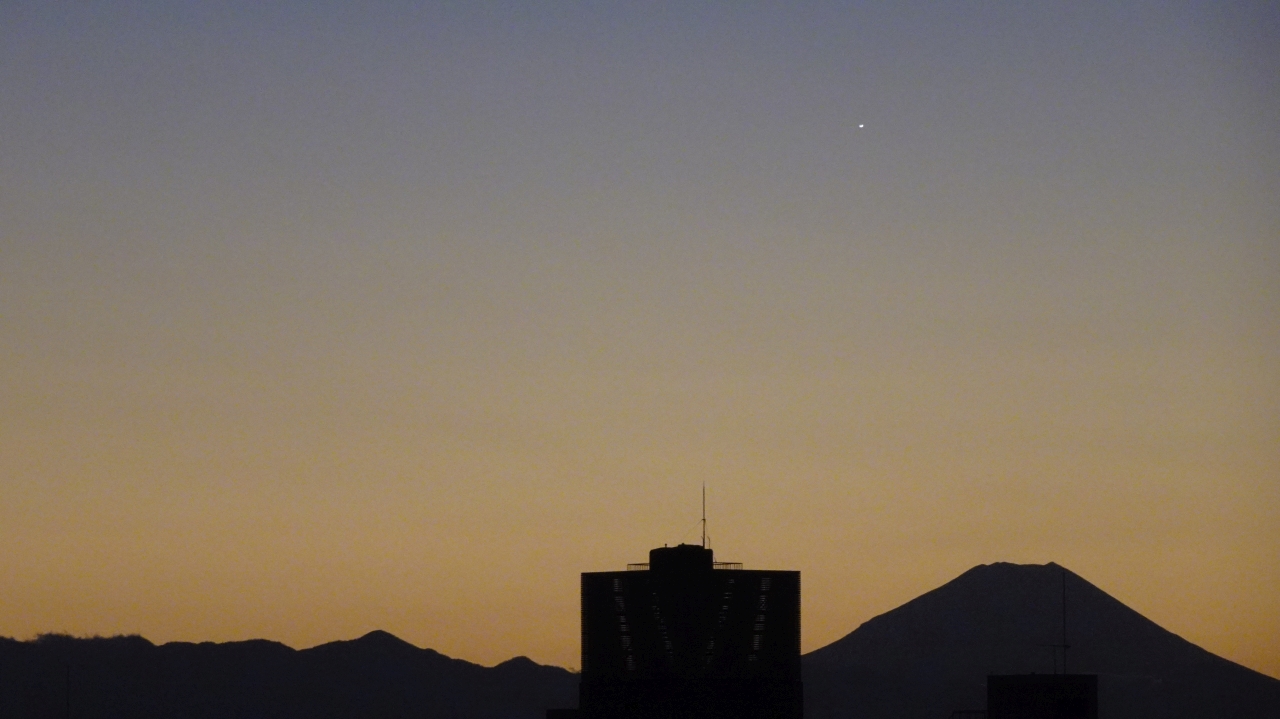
<point>1064,621</point>
<point>704,515</point>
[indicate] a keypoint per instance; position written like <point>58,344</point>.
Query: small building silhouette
<point>1042,696</point>
<point>684,636</point>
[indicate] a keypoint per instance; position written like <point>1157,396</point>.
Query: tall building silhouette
<point>684,636</point>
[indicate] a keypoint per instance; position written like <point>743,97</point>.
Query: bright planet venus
<point>321,317</point>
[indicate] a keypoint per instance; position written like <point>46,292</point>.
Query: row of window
<point>624,627</point>
<point>762,604</point>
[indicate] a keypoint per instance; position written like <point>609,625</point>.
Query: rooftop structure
<point>686,636</point>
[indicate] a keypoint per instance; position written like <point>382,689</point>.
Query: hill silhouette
<point>932,655</point>
<point>923,659</point>
<point>377,675</point>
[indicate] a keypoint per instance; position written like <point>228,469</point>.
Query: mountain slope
<point>923,659</point>
<point>376,675</point>
<point>932,654</point>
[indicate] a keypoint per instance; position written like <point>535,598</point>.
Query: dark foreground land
<point>923,659</point>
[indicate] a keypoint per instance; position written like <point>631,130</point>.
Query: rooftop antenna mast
<point>704,515</point>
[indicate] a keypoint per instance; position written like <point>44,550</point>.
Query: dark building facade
<point>1042,696</point>
<point>684,636</point>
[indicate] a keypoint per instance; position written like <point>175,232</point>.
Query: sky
<point>324,317</point>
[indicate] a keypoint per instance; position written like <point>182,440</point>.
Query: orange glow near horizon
<point>317,324</point>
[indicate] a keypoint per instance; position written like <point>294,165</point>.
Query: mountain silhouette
<point>932,655</point>
<point>377,675</point>
<point>924,659</point>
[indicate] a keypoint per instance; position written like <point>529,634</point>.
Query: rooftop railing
<point>644,566</point>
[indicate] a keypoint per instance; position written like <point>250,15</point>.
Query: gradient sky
<point>321,317</point>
